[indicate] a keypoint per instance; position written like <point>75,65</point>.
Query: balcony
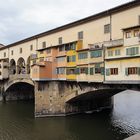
<point>95,46</point>
<point>113,43</point>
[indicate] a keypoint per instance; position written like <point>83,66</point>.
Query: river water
<point>17,122</point>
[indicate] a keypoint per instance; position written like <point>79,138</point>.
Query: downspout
<point>110,26</point>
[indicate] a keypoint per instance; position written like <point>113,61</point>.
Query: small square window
<point>12,52</point>
<point>128,34</point>
<point>31,47</point>
<point>110,53</point>
<point>4,54</point>
<point>136,33</point>
<point>107,28</point>
<point>60,40</point>
<point>44,44</point>
<point>20,50</point>
<point>80,35</point>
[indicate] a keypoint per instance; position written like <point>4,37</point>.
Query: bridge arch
<point>21,67</point>
<point>12,68</point>
<point>19,90</point>
<point>90,101</point>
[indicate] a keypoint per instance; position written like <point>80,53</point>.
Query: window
<point>12,52</point>
<point>72,46</point>
<point>20,51</point>
<point>136,33</point>
<point>97,53</point>
<point>71,58</point>
<point>4,54</point>
<point>107,28</point>
<point>31,47</point>
<point>60,40</point>
<point>117,52</point>
<point>114,71</point>
<point>132,71</point>
<point>110,53</point>
<point>71,71</point>
<point>44,44</point>
<point>128,34</point>
<point>111,71</point>
<point>82,55</point>
<point>61,48</point>
<point>48,50</point>
<point>132,51</point>
<point>80,35</point>
<point>83,70</point>
<point>60,70</point>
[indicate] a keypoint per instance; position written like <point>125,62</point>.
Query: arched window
<point>21,66</point>
<point>12,67</point>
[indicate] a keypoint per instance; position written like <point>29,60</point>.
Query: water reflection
<point>126,114</point>
<point>17,122</point>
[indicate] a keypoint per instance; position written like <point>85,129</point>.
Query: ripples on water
<point>17,122</point>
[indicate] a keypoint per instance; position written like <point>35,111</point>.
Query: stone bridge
<point>55,98</point>
<point>60,98</point>
<point>16,87</point>
<point>18,78</point>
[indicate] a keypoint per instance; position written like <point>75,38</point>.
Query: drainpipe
<point>110,27</point>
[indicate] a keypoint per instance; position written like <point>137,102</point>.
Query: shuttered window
<point>132,71</point>
<point>132,51</point>
<point>97,53</point>
<point>91,71</point>
<point>107,72</point>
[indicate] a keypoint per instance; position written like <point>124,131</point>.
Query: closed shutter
<point>102,71</point>
<point>138,71</point>
<point>126,71</point>
<point>91,71</point>
<point>78,71</point>
<point>107,72</point>
<point>86,70</point>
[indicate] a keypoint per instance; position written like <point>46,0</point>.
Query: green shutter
<point>78,71</point>
<point>86,70</point>
<point>138,71</point>
<point>107,72</point>
<point>91,71</point>
<point>102,71</point>
<point>126,71</point>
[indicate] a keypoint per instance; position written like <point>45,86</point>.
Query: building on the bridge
<point>4,70</point>
<point>123,57</point>
<point>61,60</point>
<point>96,64</point>
<point>102,48</point>
<point>44,64</point>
